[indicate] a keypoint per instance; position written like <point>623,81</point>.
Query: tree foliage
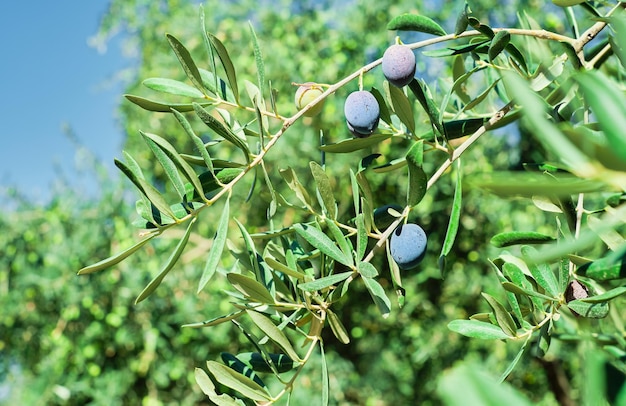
<point>511,159</point>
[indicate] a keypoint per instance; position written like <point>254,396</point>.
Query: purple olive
<point>362,113</point>
<point>399,65</point>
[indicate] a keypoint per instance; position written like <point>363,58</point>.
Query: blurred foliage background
<point>80,340</point>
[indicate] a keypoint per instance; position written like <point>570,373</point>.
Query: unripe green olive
<point>306,93</point>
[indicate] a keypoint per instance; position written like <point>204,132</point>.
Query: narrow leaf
<point>455,213</point>
<point>169,264</point>
<point>590,310</point>
<point>324,282</point>
<point>499,41</point>
<point>355,144</point>
<point>186,61</point>
<point>421,92</point>
<point>221,130</point>
<point>208,388</point>
<point>238,382</point>
<point>197,141</point>
<point>401,106</point>
<point>269,328</point>
<point>152,105</point>
<point>342,241</point>
<point>477,329</point>
<point>520,237</point>
<point>117,258</point>
<point>280,267</point>
<point>325,190</point>
<point>250,287</point>
<point>325,377</point>
<point>258,59</point>
<point>361,237</point>
<point>172,86</point>
<point>417,177</point>
<point>147,189</point>
<point>515,361</point>
<point>606,296</point>
<point>167,164</point>
<point>542,273</point>
<point>215,321</point>
<point>608,103</point>
<point>319,240</point>
<point>367,270</point>
<point>227,63</point>
<point>414,22</point>
<point>337,327</point>
<point>503,317</point>
<point>378,294</point>
<point>217,248</point>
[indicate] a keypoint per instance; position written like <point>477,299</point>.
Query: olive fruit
<point>399,65</point>
<point>407,245</point>
<point>382,218</point>
<point>306,93</point>
<point>362,113</point>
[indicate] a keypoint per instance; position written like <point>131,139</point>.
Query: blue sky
<point>50,78</point>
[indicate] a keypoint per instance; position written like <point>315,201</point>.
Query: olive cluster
<point>407,243</point>
<point>361,107</point>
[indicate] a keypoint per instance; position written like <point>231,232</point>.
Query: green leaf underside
<point>208,388</point>
<point>269,328</point>
<point>606,296</point>
<point>186,61</point>
<point>520,237</point>
<point>417,177</point>
<point>319,240</point>
<point>250,288</point>
<point>117,258</point>
<point>455,213</point>
<point>236,381</point>
<point>161,107</point>
<point>542,273</point>
<point>477,329</point>
<point>378,294</point>
<point>504,319</point>
<point>180,247</point>
<point>324,188</point>
<point>172,86</point>
<point>227,63</point>
<point>414,22</point>
<point>324,282</point>
<point>590,310</point>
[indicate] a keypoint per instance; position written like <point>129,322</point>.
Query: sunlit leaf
<point>269,328</point>
<point>169,264</point>
<point>520,237</point>
<point>325,377</point>
<point>117,258</point>
<point>324,282</point>
<point>610,267</point>
<point>378,294</point>
<point>417,177</point>
<point>325,189</point>
<point>238,382</point>
<point>319,240</point>
<point>401,106</point>
<point>503,317</point>
<point>172,86</point>
<point>215,321</point>
<point>477,329</point>
<point>186,61</point>
<point>590,310</point>
<point>250,288</point>
<point>608,103</point>
<point>208,388</point>
<point>414,22</point>
<point>606,296</point>
<point>337,327</point>
<point>160,107</point>
<point>216,248</point>
<point>455,213</point>
<point>221,130</point>
<point>227,63</point>
<point>197,141</point>
<point>542,273</point>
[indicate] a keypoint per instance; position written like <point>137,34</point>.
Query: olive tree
<point>336,228</point>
